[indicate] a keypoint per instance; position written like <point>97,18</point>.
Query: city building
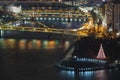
<point>116,15</point>
<point>108,13</point>
<point>112,14</point>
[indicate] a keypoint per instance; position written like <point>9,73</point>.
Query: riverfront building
<point>116,15</point>
<point>111,13</point>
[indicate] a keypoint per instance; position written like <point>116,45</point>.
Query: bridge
<point>73,32</point>
<point>82,31</point>
<point>87,29</point>
<point>55,15</point>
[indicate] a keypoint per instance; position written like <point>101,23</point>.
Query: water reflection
<point>23,44</point>
<point>51,44</point>
<point>38,44</point>
<point>101,75</point>
<point>7,43</point>
<point>34,59</point>
<point>87,75</point>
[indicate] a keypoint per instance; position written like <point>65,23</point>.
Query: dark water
<point>59,23</point>
<point>63,24</point>
<point>34,59</point>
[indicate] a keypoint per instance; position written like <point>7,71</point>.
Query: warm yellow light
<point>22,44</point>
<point>51,44</point>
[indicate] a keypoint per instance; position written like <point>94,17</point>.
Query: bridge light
<point>62,19</point>
<point>75,19</point>
<point>79,19</point>
<point>7,15</point>
<point>45,18</point>
<point>74,29</point>
<point>74,56</point>
<point>3,16</point>
<point>49,18</point>
<point>22,29</point>
<point>28,18</point>
<point>37,18</point>
<point>53,18</point>
<point>24,18</point>
<point>66,19</point>
<point>71,19</point>
<point>57,18</point>
<point>41,18</point>
<point>34,29</point>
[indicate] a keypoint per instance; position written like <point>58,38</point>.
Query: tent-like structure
<point>101,54</point>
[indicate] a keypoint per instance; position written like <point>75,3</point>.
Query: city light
<point>60,39</point>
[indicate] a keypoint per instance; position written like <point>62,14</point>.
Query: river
<point>34,59</point>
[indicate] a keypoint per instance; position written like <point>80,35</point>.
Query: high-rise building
<point>108,6</point>
<point>116,15</point>
<point>112,14</point>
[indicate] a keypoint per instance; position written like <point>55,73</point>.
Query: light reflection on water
<point>86,75</point>
<point>101,75</point>
<point>32,44</point>
<point>21,44</point>
<point>35,58</point>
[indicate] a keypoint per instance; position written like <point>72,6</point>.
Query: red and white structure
<point>101,54</point>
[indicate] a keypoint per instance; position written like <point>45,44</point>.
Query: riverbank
<point>83,55</point>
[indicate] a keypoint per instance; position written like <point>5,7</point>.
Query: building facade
<point>116,15</point>
<point>108,7</point>
<point>112,14</point>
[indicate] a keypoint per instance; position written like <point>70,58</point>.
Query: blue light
<point>75,57</point>
<point>57,18</point>
<point>41,18</point>
<point>45,18</point>
<point>66,19</point>
<point>36,18</point>
<point>86,74</point>
<point>62,19</point>
<point>49,18</point>
<point>75,19</point>
<point>53,18</point>
<point>70,74</point>
<point>2,33</point>
<point>71,19</point>
<point>79,19</point>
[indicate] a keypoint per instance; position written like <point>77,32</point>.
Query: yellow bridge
<point>74,32</point>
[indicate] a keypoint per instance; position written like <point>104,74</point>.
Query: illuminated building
<point>15,9</point>
<point>112,14</point>
<point>109,13</point>
<point>101,54</point>
<point>116,15</point>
